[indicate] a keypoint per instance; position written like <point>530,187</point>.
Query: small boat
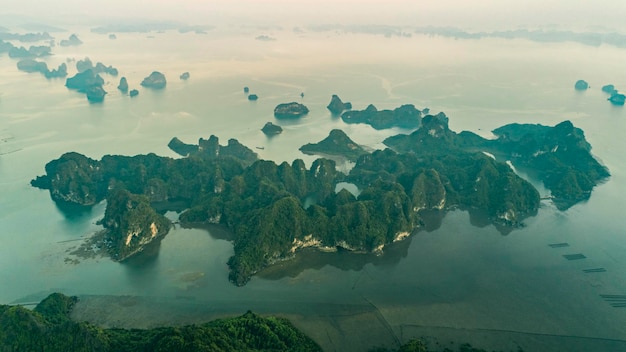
<point>260,148</point>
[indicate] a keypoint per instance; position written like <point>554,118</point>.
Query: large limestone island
<point>263,204</point>
<point>337,143</point>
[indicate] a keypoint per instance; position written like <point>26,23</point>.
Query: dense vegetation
<point>48,328</point>
<point>559,156</point>
<point>274,210</point>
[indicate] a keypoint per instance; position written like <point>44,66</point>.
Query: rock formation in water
<point>609,88</point>
<point>123,86</point>
<point>95,94</point>
<point>617,98</point>
<point>246,90</point>
<point>253,97</point>
<point>71,41</point>
<point>32,52</point>
<point>84,80</point>
<point>112,36</point>
<point>59,72</point>
<point>271,129</point>
<point>30,65</point>
<point>131,224</point>
<point>337,143</point>
<point>406,116</point>
<point>291,110</point>
<point>581,85</point>
<point>86,64</point>
<point>133,93</point>
<point>184,76</point>
<point>156,80</point>
<point>336,106</point>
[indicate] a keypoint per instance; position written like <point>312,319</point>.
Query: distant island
<point>581,85</point>
<point>88,82</point>
<point>406,116</point>
<point>271,129</point>
<point>156,80</point>
<point>86,64</point>
<point>291,110</point>
<point>71,41</point>
<point>336,106</point>
<point>262,203</point>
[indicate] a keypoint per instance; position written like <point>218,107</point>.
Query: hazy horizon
<point>470,14</point>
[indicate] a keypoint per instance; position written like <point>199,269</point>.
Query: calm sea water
<point>459,273</point>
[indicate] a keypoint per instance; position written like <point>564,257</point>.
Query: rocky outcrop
<point>156,80</point>
<point>253,97</point>
<point>71,41</point>
<point>609,88</point>
<point>133,93</point>
<point>84,80</point>
<point>31,65</point>
<point>95,94</point>
<point>291,110</point>
<point>617,98</point>
<point>405,116</point>
<point>246,90</point>
<point>581,85</point>
<point>336,106</point>
<point>181,148</point>
<point>184,76</point>
<point>86,64</point>
<point>131,224</point>
<point>337,143</point>
<point>271,130</point>
<point>123,86</point>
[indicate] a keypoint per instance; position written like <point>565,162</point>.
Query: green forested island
<point>263,203</point>
<point>49,328</point>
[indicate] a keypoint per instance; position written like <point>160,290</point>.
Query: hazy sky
<point>472,14</point>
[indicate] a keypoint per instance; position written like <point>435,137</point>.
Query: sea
<point>457,279</point>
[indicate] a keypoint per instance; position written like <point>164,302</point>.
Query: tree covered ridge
<point>49,328</point>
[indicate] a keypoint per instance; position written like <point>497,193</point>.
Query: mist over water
<point>457,272</point>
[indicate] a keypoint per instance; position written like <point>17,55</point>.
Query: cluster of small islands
<point>615,97</point>
<point>87,80</point>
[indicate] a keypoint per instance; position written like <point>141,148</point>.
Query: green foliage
<point>48,328</point>
<point>131,223</point>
